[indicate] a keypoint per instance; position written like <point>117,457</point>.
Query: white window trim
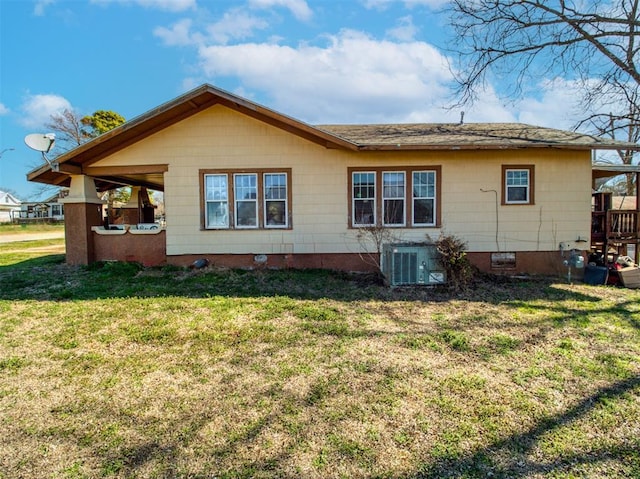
<point>434,198</point>
<point>285,200</point>
<point>354,199</point>
<point>402,198</point>
<point>206,203</point>
<point>236,201</point>
<point>507,187</point>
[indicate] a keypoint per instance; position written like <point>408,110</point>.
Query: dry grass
<point>119,372</point>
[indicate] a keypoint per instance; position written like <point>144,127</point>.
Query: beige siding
<point>221,138</point>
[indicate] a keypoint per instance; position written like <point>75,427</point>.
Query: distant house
<point>246,186</point>
<point>48,210</point>
<point>9,206</point>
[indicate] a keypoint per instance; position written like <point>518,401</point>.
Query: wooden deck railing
<point>622,226</point>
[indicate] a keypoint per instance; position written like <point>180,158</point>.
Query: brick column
<point>82,210</point>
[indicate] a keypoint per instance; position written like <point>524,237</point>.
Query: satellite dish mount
<point>42,142</point>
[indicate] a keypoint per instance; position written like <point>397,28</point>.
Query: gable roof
<point>348,137</point>
<point>7,199</point>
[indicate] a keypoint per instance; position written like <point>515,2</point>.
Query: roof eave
<point>492,146</point>
<point>170,113</point>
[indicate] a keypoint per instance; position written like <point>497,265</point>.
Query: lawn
<point>19,229</point>
<point>116,371</point>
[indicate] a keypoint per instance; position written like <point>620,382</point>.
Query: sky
<point>320,61</point>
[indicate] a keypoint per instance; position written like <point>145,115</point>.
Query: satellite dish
<point>42,142</point>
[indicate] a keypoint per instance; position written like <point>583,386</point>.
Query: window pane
<point>217,215</point>
<point>517,194</point>
<point>276,213</point>
<point>423,212</point>
<point>363,212</point>
<point>364,185</point>
<point>216,187</point>
<point>518,178</point>
<point>393,185</point>
<point>246,186</point>
<point>275,186</point>
<point>246,213</point>
<point>393,212</point>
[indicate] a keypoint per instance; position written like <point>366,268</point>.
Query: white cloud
<point>179,34</point>
<point>37,109</point>
<point>298,8</point>
<point>235,24</point>
<point>167,5</point>
<point>3,109</point>
<point>352,78</point>
<point>384,4</point>
<point>404,31</point>
<point>40,6</point>
<point>557,105</point>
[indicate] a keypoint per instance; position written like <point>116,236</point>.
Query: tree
<point>534,38</point>
<point>73,130</point>
<point>102,121</point>
<point>69,130</point>
<point>593,44</point>
<point>624,124</point>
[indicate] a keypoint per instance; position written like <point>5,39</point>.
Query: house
<point>9,206</point>
<point>247,186</point>
<point>49,210</point>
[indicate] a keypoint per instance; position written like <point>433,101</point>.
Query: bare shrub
<point>454,260</point>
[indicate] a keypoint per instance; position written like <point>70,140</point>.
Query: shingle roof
<point>467,136</point>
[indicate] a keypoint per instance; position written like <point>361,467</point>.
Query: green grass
<point>18,229</point>
<point>117,371</point>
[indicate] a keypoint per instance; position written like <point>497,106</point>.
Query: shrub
<point>454,260</point>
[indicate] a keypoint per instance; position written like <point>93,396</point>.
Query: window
<point>364,198</point>
<point>275,200</point>
<point>246,199</point>
<point>408,196</point>
<point>424,198</point>
<point>217,205</point>
<point>245,187</point>
<point>517,184</point>
<point>393,197</point>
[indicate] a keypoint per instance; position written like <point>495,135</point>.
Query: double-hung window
<point>517,184</point>
<point>424,198</point>
<point>216,201</point>
<point>275,200</point>
<point>394,197</point>
<point>245,188</point>
<point>246,199</point>
<point>364,198</point>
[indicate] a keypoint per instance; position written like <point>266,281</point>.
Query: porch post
<point>82,210</point>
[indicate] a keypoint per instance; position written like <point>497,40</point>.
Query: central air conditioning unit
<point>412,264</point>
